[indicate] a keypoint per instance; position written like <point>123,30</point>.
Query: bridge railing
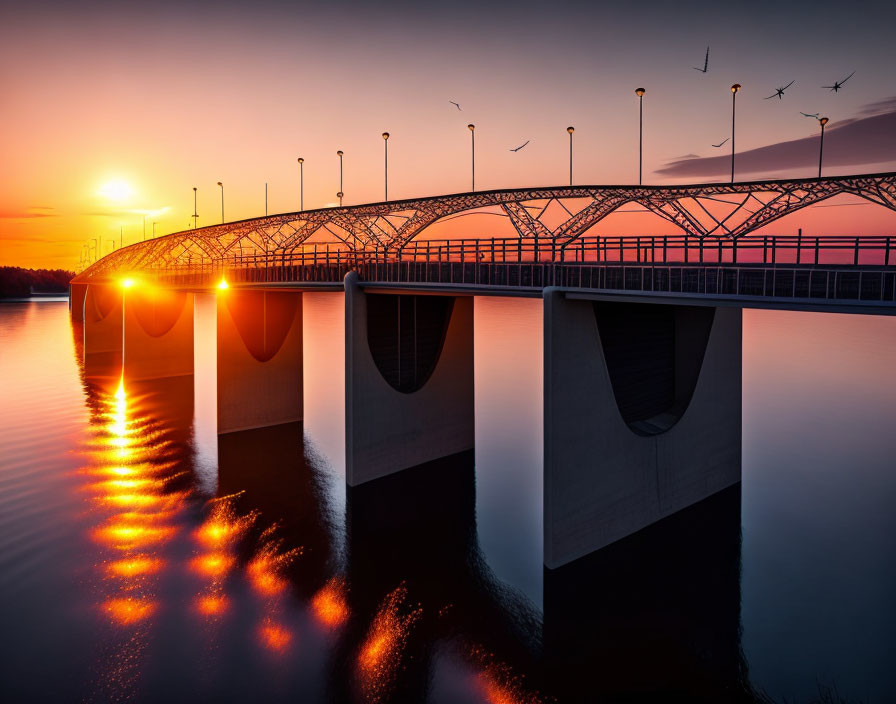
<point>325,261</point>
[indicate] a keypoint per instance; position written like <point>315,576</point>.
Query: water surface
<point>142,557</point>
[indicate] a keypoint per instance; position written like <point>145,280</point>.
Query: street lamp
<point>821,121</point>
<point>340,193</point>
<point>222,201</point>
<point>640,93</point>
<point>736,87</point>
<point>195,214</point>
<point>386,163</point>
<point>472,129</point>
<point>301,184</point>
<point>570,130</point>
<point>265,198</point>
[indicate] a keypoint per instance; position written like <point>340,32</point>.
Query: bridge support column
<point>408,380</point>
<point>103,338</point>
<point>642,416</point>
<point>158,333</point>
<point>259,356</point>
<point>76,293</point>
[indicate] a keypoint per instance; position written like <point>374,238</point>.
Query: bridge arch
<point>728,210</point>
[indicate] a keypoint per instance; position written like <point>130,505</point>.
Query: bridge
<point>642,335</point>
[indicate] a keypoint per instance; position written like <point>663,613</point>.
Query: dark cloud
<point>869,138</point>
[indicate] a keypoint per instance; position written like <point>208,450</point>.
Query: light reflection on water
<point>139,549</point>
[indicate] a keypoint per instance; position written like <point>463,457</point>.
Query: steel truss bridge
<point>543,224</point>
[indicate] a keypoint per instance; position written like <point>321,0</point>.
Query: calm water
<point>143,558</point>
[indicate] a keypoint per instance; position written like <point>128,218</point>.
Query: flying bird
<point>521,146</point>
<point>721,143</point>
<point>705,63</point>
<point>839,84</point>
<point>779,92</point>
<point>454,104</point>
<point>808,114</point>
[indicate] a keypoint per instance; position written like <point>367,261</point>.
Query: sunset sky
<point>113,110</point>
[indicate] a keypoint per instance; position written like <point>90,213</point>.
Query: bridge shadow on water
<point>655,616</point>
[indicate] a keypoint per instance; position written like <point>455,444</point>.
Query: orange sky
<point>163,99</point>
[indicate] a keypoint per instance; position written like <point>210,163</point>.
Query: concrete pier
<point>642,416</point>
<point>103,332</point>
<point>409,380</point>
<point>76,293</point>
<point>259,357</point>
<point>158,333</point>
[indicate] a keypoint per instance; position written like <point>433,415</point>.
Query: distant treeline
<point>20,283</point>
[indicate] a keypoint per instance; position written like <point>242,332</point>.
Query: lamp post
<point>640,93</point>
<point>821,121</point>
<point>386,164</point>
<point>340,193</point>
<point>120,237</point>
<point>265,198</point>
<point>154,230</point>
<point>472,129</point>
<point>734,88</point>
<point>195,214</point>
<point>144,227</point>
<point>301,184</point>
<point>570,130</point>
<point>222,201</point>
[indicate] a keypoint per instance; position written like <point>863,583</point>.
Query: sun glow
<point>116,191</point>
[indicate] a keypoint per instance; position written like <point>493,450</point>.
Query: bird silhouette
<point>721,143</point>
<point>808,114</point>
<point>521,146</point>
<point>705,63</point>
<point>779,92</point>
<point>454,104</point>
<point>839,84</point>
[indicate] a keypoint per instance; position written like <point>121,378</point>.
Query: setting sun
<point>117,191</point>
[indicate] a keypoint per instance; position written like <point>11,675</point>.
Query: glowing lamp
<point>824,121</point>
<point>339,152</point>
<point>736,87</point>
<point>127,283</point>
<point>570,129</point>
<point>223,284</point>
<point>640,92</point>
<point>471,127</point>
<point>385,135</point>
<point>301,160</point>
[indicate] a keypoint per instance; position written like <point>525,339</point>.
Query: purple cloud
<point>869,138</point>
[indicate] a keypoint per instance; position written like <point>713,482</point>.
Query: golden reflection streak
<point>381,652</point>
<point>330,604</point>
<point>218,537</point>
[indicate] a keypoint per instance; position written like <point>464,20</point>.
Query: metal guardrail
<point>825,268</point>
<point>764,249</point>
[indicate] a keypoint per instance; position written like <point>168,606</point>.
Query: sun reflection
<point>212,604</point>
<point>127,611</point>
<point>382,649</point>
<point>134,566</point>
<point>274,637</point>
<point>266,569</point>
<point>500,684</point>
<point>218,537</point>
<point>330,605</point>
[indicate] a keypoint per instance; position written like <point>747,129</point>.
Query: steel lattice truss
<point>706,210</point>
